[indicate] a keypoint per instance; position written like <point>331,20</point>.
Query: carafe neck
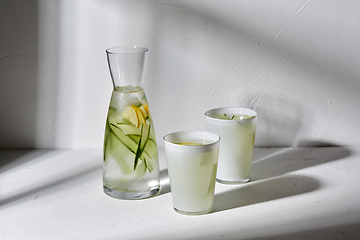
<point>127,65</point>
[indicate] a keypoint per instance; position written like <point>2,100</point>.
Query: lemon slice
<point>141,115</point>
<point>190,144</point>
<point>131,114</point>
<point>146,108</point>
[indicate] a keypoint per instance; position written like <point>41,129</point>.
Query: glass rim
<point>230,108</point>
<point>213,142</point>
<point>126,50</point>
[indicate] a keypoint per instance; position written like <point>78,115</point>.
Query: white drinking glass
<point>236,127</point>
<point>192,158</point>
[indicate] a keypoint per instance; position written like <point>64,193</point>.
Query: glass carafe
<point>131,165</point>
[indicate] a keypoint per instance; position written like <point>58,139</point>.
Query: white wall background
<point>296,62</point>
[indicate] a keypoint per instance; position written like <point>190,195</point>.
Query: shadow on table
<point>16,158</point>
<point>342,231</point>
<point>263,191</point>
<point>307,154</point>
<point>164,182</point>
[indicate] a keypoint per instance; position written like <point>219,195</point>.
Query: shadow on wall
<point>18,73</point>
<point>28,73</point>
<point>280,125</point>
<point>222,46</point>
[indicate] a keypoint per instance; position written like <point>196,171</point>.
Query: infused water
<point>130,167</point>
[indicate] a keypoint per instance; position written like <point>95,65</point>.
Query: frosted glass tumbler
<point>236,127</point>
<point>192,158</point>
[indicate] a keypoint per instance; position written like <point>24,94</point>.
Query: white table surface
<point>294,193</point>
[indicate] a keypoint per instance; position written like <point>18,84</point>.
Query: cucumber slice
<point>121,154</point>
<point>119,134</point>
<point>145,132</point>
<point>129,129</point>
<point>151,155</point>
<point>136,144</point>
<point>120,148</point>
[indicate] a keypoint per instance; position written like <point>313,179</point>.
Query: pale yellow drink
<point>192,164</point>
<point>236,127</point>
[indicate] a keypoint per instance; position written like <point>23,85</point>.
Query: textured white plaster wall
<point>296,62</point>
